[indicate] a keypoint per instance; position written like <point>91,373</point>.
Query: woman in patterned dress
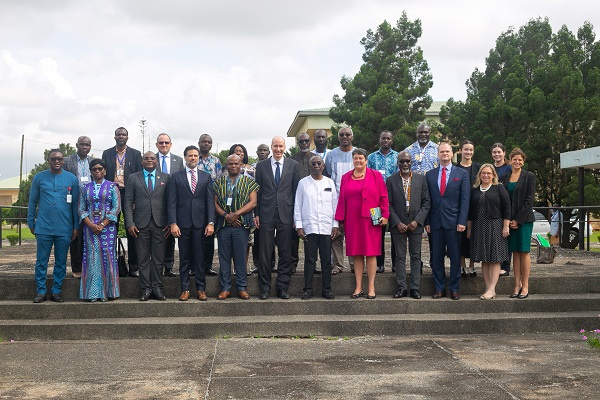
<point>488,226</point>
<point>99,206</point>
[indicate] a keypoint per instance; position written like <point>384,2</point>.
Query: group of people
<point>323,198</point>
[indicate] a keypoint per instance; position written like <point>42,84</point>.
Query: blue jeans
<point>44,246</point>
<point>232,242</point>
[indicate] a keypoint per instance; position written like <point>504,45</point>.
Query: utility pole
<point>144,128</point>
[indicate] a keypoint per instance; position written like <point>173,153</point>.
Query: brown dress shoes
<point>184,295</point>
<point>223,295</point>
<point>201,295</point>
<point>243,295</point>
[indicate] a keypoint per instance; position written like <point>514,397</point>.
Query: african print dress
<point>100,272</point>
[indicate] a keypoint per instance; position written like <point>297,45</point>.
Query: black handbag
<point>121,253</point>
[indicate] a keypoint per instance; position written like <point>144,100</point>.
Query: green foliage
<point>291,151</point>
<point>540,91</point>
<point>13,239</point>
<point>591,190</point>
<point>592,338</point>
<point>390,90</point>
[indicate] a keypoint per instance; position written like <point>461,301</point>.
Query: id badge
<point>69,198</point>
<point>229,201</point>
<point>84,179</point>
<point>97,213</point>
<point>382,172</point>
<point>120,172</point>
<point>407,203</point>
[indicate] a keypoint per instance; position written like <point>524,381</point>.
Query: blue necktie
<point>163,167</point>
<point>277,174</point>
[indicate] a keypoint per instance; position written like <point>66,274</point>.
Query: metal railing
<point>581,225</point>
<point>18,220</point>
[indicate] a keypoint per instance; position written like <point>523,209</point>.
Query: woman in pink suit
<point>361,190</point>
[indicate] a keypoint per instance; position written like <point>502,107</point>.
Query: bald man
<point>278,179</point>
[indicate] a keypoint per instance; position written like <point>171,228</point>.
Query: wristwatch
<point>211,223</point>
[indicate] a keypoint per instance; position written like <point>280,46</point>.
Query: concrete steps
<point>556,304</point>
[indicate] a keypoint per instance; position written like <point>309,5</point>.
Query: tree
<point>390,90</point>
<point>540,91</point>
<point>25,186</point>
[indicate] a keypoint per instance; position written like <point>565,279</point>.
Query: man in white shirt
<point>314,211</point>
<point>169,164</point>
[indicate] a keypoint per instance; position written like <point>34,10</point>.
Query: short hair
<point>358,150</point>
<point>348,128</point>
<point>386,131</point>
<point>445,144</point>
<point>232,151</point>
<point>97,161</point>
<point>517,152</point>
<point>121,128</point>
<point>494,173</point>
<point>261,145</point>
<point>302,133</point>
<point>191,147</point>
<point>203,136</point>
<point>163,134</point>
<point>55,151</point>
<point>466,141</point>
<point>499,145</point>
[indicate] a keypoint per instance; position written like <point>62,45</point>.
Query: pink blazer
<point>374,194</point>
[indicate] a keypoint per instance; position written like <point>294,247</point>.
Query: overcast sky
<point>239,70</point>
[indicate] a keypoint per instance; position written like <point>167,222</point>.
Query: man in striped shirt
<point>235,199</point>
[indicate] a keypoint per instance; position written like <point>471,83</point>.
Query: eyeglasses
<point>149,159</point>
<point>344,134</point>
<point>164,142</point>
<point>97,169</point>
<point>403,161</point>
<point>56,159</point>
<point>304,141</point>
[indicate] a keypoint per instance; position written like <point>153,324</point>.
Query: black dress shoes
<point>380,269</point>
<point>306,295</point>
<point>283,295</point>
<point>328,295</point>
<point>39,298</point>
<point>455,296</point>
<point>145,296</point>
<point>317,271</point>
<point>158,295</point>
<point>57,297</point>
<point>414,293</point>
<point>400,293</point>
<point>211,272</point>
<point>134,274</point>
<point>504,273</point>
<point>169,272</point>
<point>263,295</point>
<point>438,295</point>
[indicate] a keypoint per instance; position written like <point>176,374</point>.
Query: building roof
<point>10,183</point>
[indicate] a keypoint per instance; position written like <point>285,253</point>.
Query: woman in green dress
<point>521,189</point>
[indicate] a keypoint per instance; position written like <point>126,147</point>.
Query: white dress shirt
<point>316,202</point>
<point>274,166</point>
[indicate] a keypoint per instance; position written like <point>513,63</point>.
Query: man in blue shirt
<point>423,152</point>
<point>53,218</point>
<point>385,161</point>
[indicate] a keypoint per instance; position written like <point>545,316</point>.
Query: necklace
<point>357,176</point>
<point>484,189</point>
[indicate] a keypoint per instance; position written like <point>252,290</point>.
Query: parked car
<point>541,226</point>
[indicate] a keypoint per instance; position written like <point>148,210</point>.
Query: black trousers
<point>132,260</point>
<point>76,250</point>
<point>322,244</point>
<point>170,251</point>
<point>267,244</point>
<point>151,253</point>
<point>191,249</point>
<point>209,252</point>
<point>256,251</point>
<point>381,258</point>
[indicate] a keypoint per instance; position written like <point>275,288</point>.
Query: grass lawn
<point>25,233</point>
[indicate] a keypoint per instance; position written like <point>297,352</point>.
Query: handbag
<point>121,253</point>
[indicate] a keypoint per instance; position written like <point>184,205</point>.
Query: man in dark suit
<point>168,163</point>
<point>450,191</point>
<point>302,157</point>
<point>191,215</point>
<point>146,220</point>
<point>122,161</point>
<point>409,205</point>
<point>79,165</point>
<point>278,179</point>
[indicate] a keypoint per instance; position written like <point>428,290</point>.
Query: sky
<point>238,70</point>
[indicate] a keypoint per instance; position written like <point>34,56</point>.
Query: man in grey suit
<point>278,179</point>
<point>79,165</point>
<point>146,220</point>
<point>169,164</point>
<point>409,205</point>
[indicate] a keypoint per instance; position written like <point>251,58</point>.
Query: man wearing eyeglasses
<point>53,218</point>
<point>408,194</point>
<point>302,157</point>
<point>168,163</point>
<point>79,165</point>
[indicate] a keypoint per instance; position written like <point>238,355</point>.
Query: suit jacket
<point>374,194</point>
<point>522,198</point>
<point>452,208</point>
<point>71,164</point>
<point>141,206</point>
<point>280,198</point>
<point>187,209</point>
<point>419,206</point>
<point>133,162</point>
<point>176,163</point>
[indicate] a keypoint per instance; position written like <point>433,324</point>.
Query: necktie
<point>193,180</point>
<point>443,181</point>
<point>277,174</point>
<point>163,167</point>
<point>150,187</point>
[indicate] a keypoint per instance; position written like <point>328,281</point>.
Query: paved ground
<point>558,366</point>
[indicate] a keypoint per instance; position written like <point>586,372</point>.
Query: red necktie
<point>193,180</point>
<point>443,181</point>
